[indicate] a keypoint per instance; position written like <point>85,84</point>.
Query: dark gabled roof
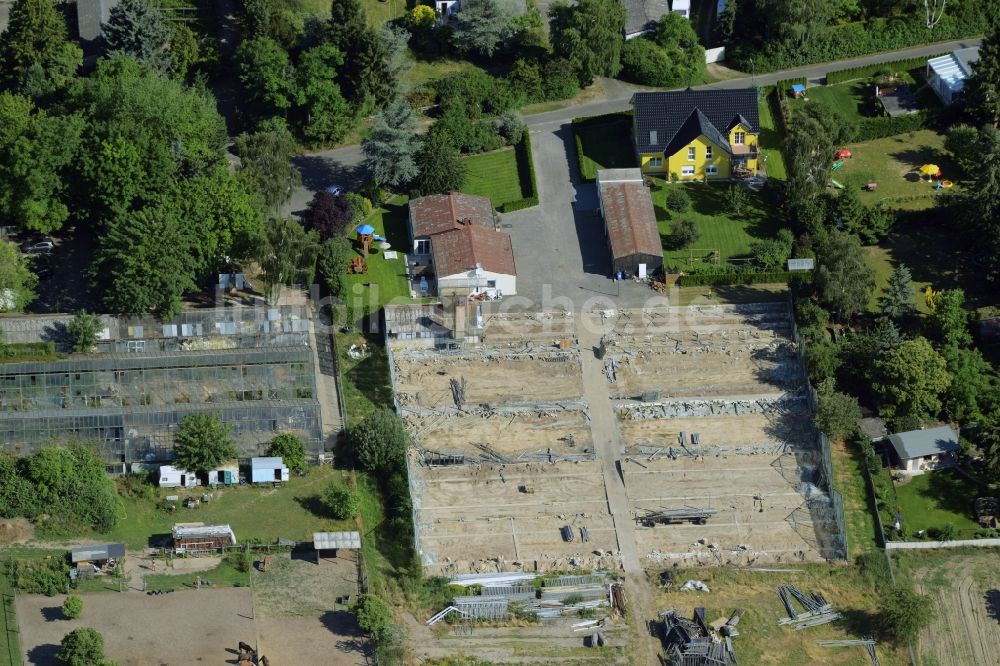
<point>696,125</point>
<point>642,15</point>
<point>666,113</point>
<point>920,443</point>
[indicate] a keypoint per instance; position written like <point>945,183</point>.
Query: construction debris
<point>695,585</point>
<point>817,612</point>
<point>617,594</point>
<point>693,643</point>
<point>868,643</point>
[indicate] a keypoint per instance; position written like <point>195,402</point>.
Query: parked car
<point>43,246</point>
<point>335,189</point>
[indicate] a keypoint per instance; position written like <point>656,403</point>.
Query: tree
<point>36,36</point>
<point>978,205</point>
<point>965,143</point>
<point>772,253</point>
<point>844,280</point>
<point>973,386</point>
<point>822,360</point>
<point>589,35</point>
<point>897,303</point>
<point>17,282</point>
<point>910,379</point>
<point>367,70</point>
<point>341,500</point>
<point>328,116</point>
<point>183,50</point>
<point>334,257</point>
<point>421,17</point>
<point>814,134</point>
<point>136,28</point>
<point>347,21</point>
<point>391,146</point>
<point>676,36</point>
<point>265,161</point>
<point>374,616</point>
<point>950,319</point>
<point>144,262</point>
<point>71,485</point>
<point>837,413</point>
<point>484,26</point>
<point>288,255</point>
<point>982,89</point>
<point>291,449</point>
<point>678,200</point>
<point>329,214</point>
<point>202,443</point>
<point>903,613</point>
<point>267,74</point>
<point>83,330</point>
<point>440,166</point>
<point>737,199</point>
<point>379,441</point>
<point>82,647</point>
<point>72,607</point>
<point>683,233</point>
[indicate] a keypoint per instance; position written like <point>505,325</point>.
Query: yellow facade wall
<point>750,140</point>
<point>645,159</point>
<point>679,160</point>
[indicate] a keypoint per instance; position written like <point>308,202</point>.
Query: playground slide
<point>836,184</point>
<point>837,165</point>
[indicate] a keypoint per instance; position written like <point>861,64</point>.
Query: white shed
<point>946,74</point>
<point>268,470</point>
<point>682,7</point>
<point>171,477</point>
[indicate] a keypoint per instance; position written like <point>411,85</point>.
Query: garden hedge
<point>526,173</point>
<point>869,129</point>
<point>718,279</point>
<point>853,73</point>
<point>584,121</point>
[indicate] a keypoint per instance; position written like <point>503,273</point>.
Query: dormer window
<point>739,138</point>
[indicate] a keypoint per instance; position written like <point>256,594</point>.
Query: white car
<point>335,190</point>
<point>39,247</point>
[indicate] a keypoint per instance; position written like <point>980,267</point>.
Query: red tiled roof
<point>439,213</point>
<point>630,219</point>
<point>459,250</point>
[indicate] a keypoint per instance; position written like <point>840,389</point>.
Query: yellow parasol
<point>929,170</point>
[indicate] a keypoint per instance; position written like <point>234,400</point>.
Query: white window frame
<point>711,170</point>
<point>423,246</point>
<point>691,153</point>
<point>708,152</point>
<point>655,163</point>
<point>739,138</point>
<point>687,170</point>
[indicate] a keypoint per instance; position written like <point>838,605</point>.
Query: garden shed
<point>268,470</point>
<point>199,538</point>
<point>172,477</point>
<point>919,451</point>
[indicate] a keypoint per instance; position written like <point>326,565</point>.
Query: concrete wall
<point>717,54</point>
<point>927,545</point>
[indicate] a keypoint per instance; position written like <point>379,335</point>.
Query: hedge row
<point>717,279</point>
<point>869,129</point>
<point>526,174</point>
<point>853,73</point>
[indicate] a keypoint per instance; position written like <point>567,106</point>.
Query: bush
<point>526,174</point>
<point>342,501</point>
<point>83,329</point>
<point>510,126</point>
<point>291,449</point>
<point>645,63</point>
<point>903,614</point>
<point>682,234</point>
<point>241,560</point>
<point>379,441</point>
<point>82,647</point>
<point>49,576</point>
<point>678,200</point>
<point>718,279</point>
<point>374,616</point>
<point>72,607</point>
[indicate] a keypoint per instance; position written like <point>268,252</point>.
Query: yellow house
<point>697,135</point>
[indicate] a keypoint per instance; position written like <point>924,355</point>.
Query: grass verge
<point>10,643</point>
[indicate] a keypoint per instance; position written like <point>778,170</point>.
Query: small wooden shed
<point>201,539</point>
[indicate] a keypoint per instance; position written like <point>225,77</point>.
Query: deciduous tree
<point>288,255</point>
<point>903,613</point>
<point>683,233</point>
<point>334,257</point>
<point>590,35</point>
<point>136,28</point>
<point>374,616</point>
<point>82,647</point>
<point>268,75</point>
<point>379,441</point>
<point>329,214</point>
<point>328,117</point>
<point>440,166</point>
<point>973,389</point>
<point>675,35</point>
<point>341,500</point>
<point>910,379</point>
<point>83,330</point>
<point>950,319</point>
<point>291,449</point>
<point>844,280</point>
<point>391,146</point>
<point>72,607</point>
<point>837,413</point>
<point>265,162</point>
<point>202,443</point>
<point>17,282</point>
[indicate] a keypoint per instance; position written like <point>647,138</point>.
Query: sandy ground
<point>426,382</point>
<point>562,431</point>
<point>967,595</point>
<point>332,638</point>
<point>181,628</point>
<point>471,520</point>
<point>729,431</point>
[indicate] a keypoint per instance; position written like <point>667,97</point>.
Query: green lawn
<point>424,71</point>
<point>385,280</point>
<point>378,11</point>
<point>10,645</point>
<point>605,142</point>
<point>494,175</point>
<point>224,575</point>
<point>291,510</point>
<point>365,381</point>
<point>719,229</point>
<point>852,101</point>
<point>849,480</point>
<point>772,135</point>
<point>892,163</point>
<point>934,499</point>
